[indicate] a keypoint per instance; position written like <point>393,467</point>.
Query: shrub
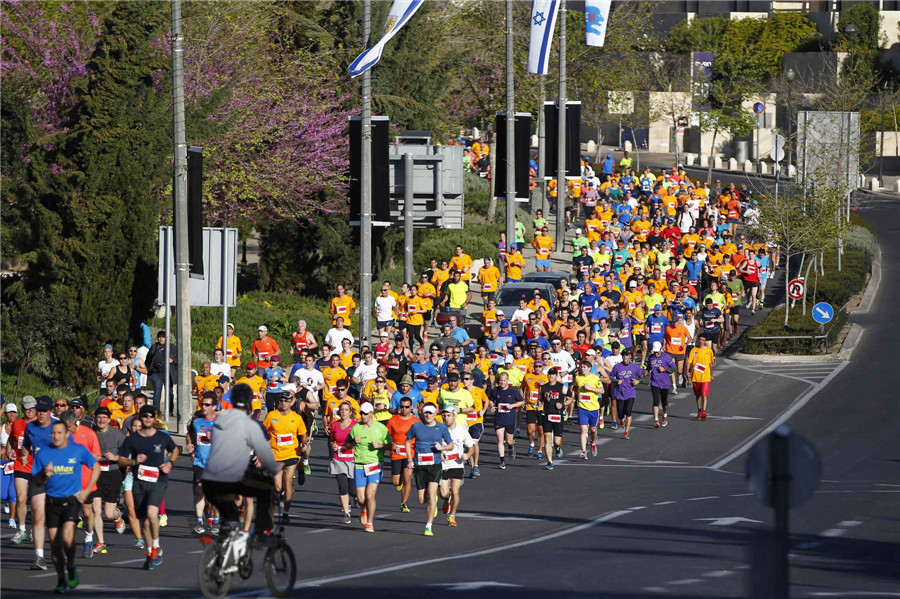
<point>862,239</point>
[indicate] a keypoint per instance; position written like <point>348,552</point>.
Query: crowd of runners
<point>660,269</point>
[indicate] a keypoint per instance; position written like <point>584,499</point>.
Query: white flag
<point>596,16</point>
<point>543,23</point>
<point>401,12</point>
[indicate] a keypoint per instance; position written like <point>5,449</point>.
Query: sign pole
<point>781,478</point>
<point>224,297</point>
<point>561,139</point>
<point>510,131</point>
<point>408,274</point>
<point>167,268</point>
<point>365,193</point>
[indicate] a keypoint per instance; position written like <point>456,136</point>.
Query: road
<point>665,514</point>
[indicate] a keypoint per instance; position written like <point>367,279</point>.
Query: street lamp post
<point>884,90</point>
<point>789,76</point>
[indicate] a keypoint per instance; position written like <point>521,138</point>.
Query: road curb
<point>865,304</point>
<point>785,358</point>
<point>850,342</point>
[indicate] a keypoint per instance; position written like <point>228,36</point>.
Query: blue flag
<point>596,17</point>
<point>543,23</point>
<point>401,12</point>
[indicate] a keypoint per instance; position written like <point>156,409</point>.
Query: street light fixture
<point>851,31</point>
<point>789,76</point>
<point>885,87</point>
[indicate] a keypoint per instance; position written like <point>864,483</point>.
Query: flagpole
<point>561,140</point>
<point>365,213</point>
<point>510,130</point>
<point>542,149</point>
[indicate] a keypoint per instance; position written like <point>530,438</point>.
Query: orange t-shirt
<point>398,427</point>
<point>677,337</point>
<point>264,349</point>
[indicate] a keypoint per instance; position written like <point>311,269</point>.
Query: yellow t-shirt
<point>257,383</point>
<point>488,277</point>
<point>342,307</point>
<point>285,431</point>
<point>232,351</point>
<point>587,400</point>
<point>415,303</point>
<point>462,264</point>
<point>514,265</point>
<point>700,364</point>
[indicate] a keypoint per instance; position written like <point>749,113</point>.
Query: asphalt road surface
<point>666,514</point>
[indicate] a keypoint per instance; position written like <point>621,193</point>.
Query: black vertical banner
<point>195,210</point>
<point>522,150</point>
<point>381,209</point>
<point>573,139</point>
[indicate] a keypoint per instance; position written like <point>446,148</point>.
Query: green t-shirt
<point>578,243</point>
<point>458,294</point>
<point>461,398</point>
<point>520,232</point>
<point>539,223</point>
<point>363,452</point>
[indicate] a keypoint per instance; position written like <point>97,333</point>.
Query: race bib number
<point>8,468</point>
<point>426,459</point>
<point>543,252</point>
<point>487,287</point>
<point>585,397</point>
<point>453,455</point>
<point>655,329</point>
<point>593,228</point>
<point>568,379</point>
<point>504,407</point>
<point>148,474</point>
<point>522,367</point>
<point>554,418</point>
<point>631,305</point>
<point>273,385</point>
<point>300,346</point>
<point>693,283</point>
<point>341,309</point>
<point>284,440</point>
<point>421,377</point>
<point>380,405</point>
<point>332,389</point>
<point>21,442</point>
<point>400,450</point>
<point>379,354</point>
<point>394,366</point>
<point>533,396</point>
<point>493,357</point>
<point>345,454</point>
<point>203,438</point>
<point>264,356</point>
<point>700,368</point>
<point>472,417</point>
<point>229,353</point>
<point>676,341</point>
<point>370,469</point>
<point>335,413</point>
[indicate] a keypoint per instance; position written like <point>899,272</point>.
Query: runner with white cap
<point>661,367</point>
<point>430,439</point>
<point>367,438</point>
<point>453,462</point>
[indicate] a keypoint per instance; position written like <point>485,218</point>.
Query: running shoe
<point>559,452</point>
<point>626,436</point>
<point>199,529</point>
<point>39,563</point>
<point>451,520</point>
<point>301,476</point>
<point>601,424</point>
<point>148,563</point>
<point>100,548</point>
<point>540,455</point>
<point>445,507</point>
<point>584,455</point>
<point>428,532</point>
<point>594,449</point>
<point>512,451</point>
<point>60,588</point>
<point>163,520</point>
<point>285,518</point>
<point>157,558</point>
<point>88,550</point>
<point>12,524</point>
<point>139,544</point>
<point>699,416</point>
<point>214,528</point>
<point>120,525</point>
<point>549,466</point>
<point>502,465</point>
<point>398,487</point>
<point>80,523</point>
<point>28,537</point>
<point>621,422</point>
<point>518,433</point>
<point>656,423</point>
<point>614,425</point>
<point>306,469</point>
<point>531,450</point>
<point>674,390</point>
<point>404,508</point>
<point>665,421</point>
<point>704,415</point>
<point>363,516</point>
<point>475,472</point>
<point>369,527</point>
<point>18,538</point>
<point>347,519</point>
<point>73,578</point>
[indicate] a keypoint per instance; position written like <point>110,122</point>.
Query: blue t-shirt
<point>414,394</point>
<point>273,376</point>
<point>202,428</point>
<point>38,437</point>
<point>656,328</point>
<point>426,436</point>
<point>694,270</point>
<point>623,374</point>
<point>460,335</point>
<point>67,463</point>
<point>420,374</point>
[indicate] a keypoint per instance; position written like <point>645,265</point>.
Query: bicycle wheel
<point>213,584</point>
<point>281,569</point>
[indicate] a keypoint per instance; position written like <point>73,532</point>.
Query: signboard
<point>219,266</point>
<point>759,108</point>
<point>437,185</point>
<point>822,313</point>
<point>804,468</point>
<point>796,289</point>
<point>828,148</point>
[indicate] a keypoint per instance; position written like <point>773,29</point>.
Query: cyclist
<point>227,475</point>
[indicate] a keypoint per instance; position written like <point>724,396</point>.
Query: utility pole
<point>510,131</point>
<point>542,149</point>
<point>561,140</point>
<point>365,193</point>
<point>182,259</point>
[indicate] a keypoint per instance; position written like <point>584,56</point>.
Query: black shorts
<point>532,417</point>
<point>427,474</point>
<point>638,340</point>
<point>146,494</point>
<point>489,295</point>
<point>198,474</point>
<point>289,462</point>
<point>272,400</point>
<point>109,485</point>
<point>35,488</point>
<point>555,427</point>
<point>677,357</point>
<point>624,407</point>
<point>22,475</point>
<point>401,325</point>
<point>451,473</point>
<point>505,420</point>
<point>59,510</point>
<point>736,310</point>
<point>711,336</point>
<point>383,324</point>
<point>397,466</point>
<point>660,395</point>
<point>748,285</point>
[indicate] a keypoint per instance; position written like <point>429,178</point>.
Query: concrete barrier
<point>627,146</point>
<point>763,168</point>
<point>748,166</point>
<point>717,162</point>
<point>897,186</point>
<point>704,162</point>
<point>874,185</point>
<point>732,164</point>
<point>591,146</point>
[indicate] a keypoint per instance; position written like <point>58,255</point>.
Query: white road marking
<point>482,516</point>
<point>642,418</point>
<point>488,551</point>
<point>648,462</point>
<point>727,520</point>
<point>312,532</point>
<point>47,575</point>
<point>686,581</point>
<point>854,594</point>
<point>710,417</point>
<point>792,409</point>
<point>840,529</point>
<point>703,498</point>
<point>742,495</point>
<point>656,590</point>
<point>474,586</point>
<point>636,508</point>
<point>718,573</point>
<point>664,503</point>
<point>129,561</point>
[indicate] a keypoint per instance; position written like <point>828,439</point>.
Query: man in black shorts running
<point>554,399</point>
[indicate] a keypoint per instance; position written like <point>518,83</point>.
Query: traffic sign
<point>804,468</point>
<point>796,289</point>
<point>778,142</point>
<point>759,107</point>
<point>822,313</point>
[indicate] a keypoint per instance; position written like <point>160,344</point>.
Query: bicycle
<point>228,553</point>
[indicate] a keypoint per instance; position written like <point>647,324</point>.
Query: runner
<point>87,438</point>
<point>401,476</point>
<point>198,445</point>
<point>553,400</point>
<point>661,366</point>
<point>367,439</point>
<point>505,400</point>
<point>106,497</point>
<point>531,388</point>
<point>37,437</point>
<point>589,388</point>
<point>430,439</point>
<point>475,418</point>
<point>21,467</point>
<point>57,467</point>
<point>700,363</point>
<point>146,452</point>
<point>453,463</point>
<point>341,465</point>
<point>287,436</point>
<point>627,375</point>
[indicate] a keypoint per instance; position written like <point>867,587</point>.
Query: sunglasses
<point>123,357</point>
<point>284,400</point>
<point>207,405</point>
<point>132,351</point>
<point>147,416</point>
<point>62,405</point>
<point>341,389</point>
<point>406,407</point>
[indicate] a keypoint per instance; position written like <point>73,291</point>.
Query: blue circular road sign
<point>822,313</point>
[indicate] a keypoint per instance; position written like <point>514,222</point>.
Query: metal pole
<point>408,275</point>
<point>881,152</point>
<point>167,302</point>
<point>365,216</point>
<point>757,143</point>
<point>781,478</point>
<point>439,185</point>
<point>510,130</point>
<point>224,297</point>
<point>561,140</point>
<point>182,258</point>
<point>790,126</point>
<point>542,150</point>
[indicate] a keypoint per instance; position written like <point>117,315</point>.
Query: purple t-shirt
<point>659,379</point>
<point>623,375</point>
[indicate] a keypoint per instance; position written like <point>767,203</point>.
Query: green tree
<point>696,35</point>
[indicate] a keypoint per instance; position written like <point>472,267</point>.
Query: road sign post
<point>796,289</point>
<point>822,313</point>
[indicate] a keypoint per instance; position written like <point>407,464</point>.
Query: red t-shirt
<point>87,438</point>
<point>16,438</point>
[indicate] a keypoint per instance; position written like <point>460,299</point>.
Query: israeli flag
<point>543,23</point>
<point>596,16</point>
<point>401,12</point>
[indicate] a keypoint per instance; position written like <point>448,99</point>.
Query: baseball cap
<point>508,359</point>
<point>228,324</point>
<point>453,376</point>
<point>450,409</point>
<point>406,380</point>
<point>274,359</point>
<point>578,231</point>
<point>75,403</point>
<point>383,334</point>
<point>102,410</point>
<point>429,409</point>
<point>44,404</point>
<point>504,323</point>
<point>28,402</point>
<point>263,327</point>
<point>224,379</point>
<point>289,387</point>
<point>657,346</point>
<point>366,408</point>
<point>514,245</point>
<point>590,352</point>
<point>241,396</point>
<point>11,407</point>
<point>251,365</point>
<point>108,346</point>
<point>431,379</point>
<point>632,284</point>
<point>657,307</point>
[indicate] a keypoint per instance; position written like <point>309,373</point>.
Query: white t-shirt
<point>103,368</point>
<point>521,315</point>
<point>384,308</point>
<point>310,379</point>
<point>366,373</point>
<point>462,440</point>
<point>334,337</point>
<point>220,369</point>
<point>565,364</point>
